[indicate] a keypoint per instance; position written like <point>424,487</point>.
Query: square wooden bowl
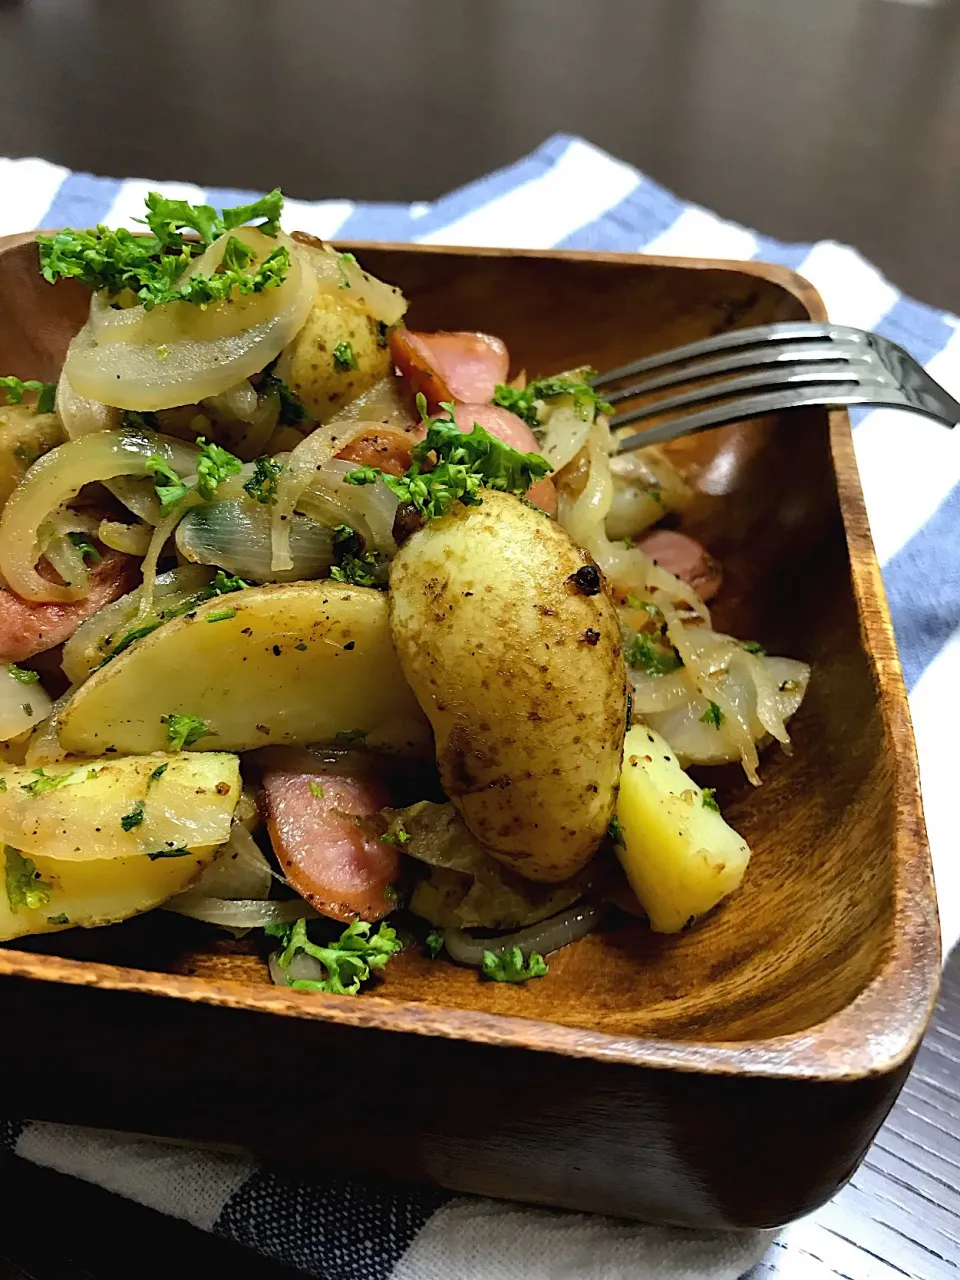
<point>731,1075</point>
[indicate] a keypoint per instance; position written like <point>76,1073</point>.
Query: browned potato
<point>512,646</point>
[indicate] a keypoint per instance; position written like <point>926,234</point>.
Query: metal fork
<point>785,366</point>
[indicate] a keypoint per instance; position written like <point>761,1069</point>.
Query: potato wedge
<point>680,857</point>
<point>335,357</point>
<point>302,662</point>
<point>86,845</point>
<point>518,665</point>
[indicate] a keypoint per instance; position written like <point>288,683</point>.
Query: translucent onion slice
<point>240,914</point>
<point>341,276</point>
<point>239,402</point>
<point>171,356</point>
<point>94,639</point>
<point>657,693</point>
<point>302,467</point>
<point>132,539</point>
<point>563,435</point>
<point>44,744</point>
<point>549,935</point>
<point>368,508</point>
<point>79,414</point>
<point>56,478</point>
<point>239,871</point>
<point>235,536</point>
<point>386,403</point>
<point>21,705</point>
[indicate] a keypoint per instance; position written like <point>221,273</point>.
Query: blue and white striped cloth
<point>566,194</point>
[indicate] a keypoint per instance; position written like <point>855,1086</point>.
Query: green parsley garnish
<point>615,832</point>
<point>343,357</point>
<point>24,676</point>
<point>183,731</point>
<point>24,886</point>
<point>713,715</point>
<point>291,408</point>
<point>149,266</point>
<point>262,485</point>
<point>525,404</point>
<point>14,389</point>
<point>383,332</point>
<point>169,853</point>
<point>133,818</point>
<point>363,568</point>
<point>62,918</point>
<point>88,552</point>
<point>213,467</point>
<point>342,260</point>
<point>133,420</point>
<point>44,782</point>
<point>435,943</point>
<point>397,834</point>
<point>708,798</point>
<point>221,615</point>
<point>751,646</point>
<point>157,774</point>
<point>510,966</point>
<point>3,785</point>
<point>174,490</point>
<point>316,790</point>
<point>464,465</point>
<point>652,656</point>
<point>349,961</point>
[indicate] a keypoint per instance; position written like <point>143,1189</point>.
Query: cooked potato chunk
<point>337,355</point>
<point>25,435</point>
<point>90,844</point>
<point>680,856</point>
<point>302,662</point>
<point>512,646</point>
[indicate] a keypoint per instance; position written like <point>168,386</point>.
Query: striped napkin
<point>566,194</point>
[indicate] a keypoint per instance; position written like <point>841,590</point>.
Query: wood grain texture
<point>802,999</point>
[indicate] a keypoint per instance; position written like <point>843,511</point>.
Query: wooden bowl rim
<point>873,1035</point>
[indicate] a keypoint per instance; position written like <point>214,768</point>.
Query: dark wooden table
<point>806,119</point>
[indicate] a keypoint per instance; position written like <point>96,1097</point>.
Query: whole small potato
<point>317,364</point>
<point>508,639</point>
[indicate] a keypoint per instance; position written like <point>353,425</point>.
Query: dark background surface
<point>806,119</point>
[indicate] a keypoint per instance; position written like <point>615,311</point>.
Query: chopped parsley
<point>44,782</point>
<point>751,646</point>
<point>383,332</point>
<point>615,832</point>
<point>24,886</point>
<point>435,943</point>
<point>133,420</point>
<point>343,357</point>
<point>169,853</point>
<point>651,655</point>
<point>349,961</point>
<point>149,266</point>
<point>397,834</point>
<point>214,465</point>
<point>14,389</point>
<point>88,552</point>
<point>510,967</point>
<point>362,568</point>
<point>184,730</point>
<point>134,817</point>
<point>62,918</point>
<point>708,798</point>
<point>3,785</point>
<point>24,676</point>
<point>342,260</point>
<point>713,715</point>
<point>526,403</point>
<point>291,408</point>
<point>157,774</point>
<point>262,485</point>
<point>221,615</point>
<point>464,465</point>
<point>173,490</point>
<point>316,790</point>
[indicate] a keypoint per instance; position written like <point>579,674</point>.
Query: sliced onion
<point>131,539</point>
<point>239,402</point>
<point>181,353</point>
<point>242,914</point>
<point>94,638</point>
<point>302,466</point>
<point>158,540</point>
<point>79,414</point>
<point>563,434</point>
<point>368,508</point>
<point>302,968</point>
<point>235,535</point>
<point>44,746</point>
<point>21,705</point>
<point>56,478</point>
<point>657,693</point>
<point>386,403</point>
<point>340,276</point>
<point>238,872</point>
<point>549,935</point>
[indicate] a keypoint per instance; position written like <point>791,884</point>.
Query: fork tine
<point>730,341</point>
<point>769,402</point>
<point>770,353</point>
<point>827,378</point>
